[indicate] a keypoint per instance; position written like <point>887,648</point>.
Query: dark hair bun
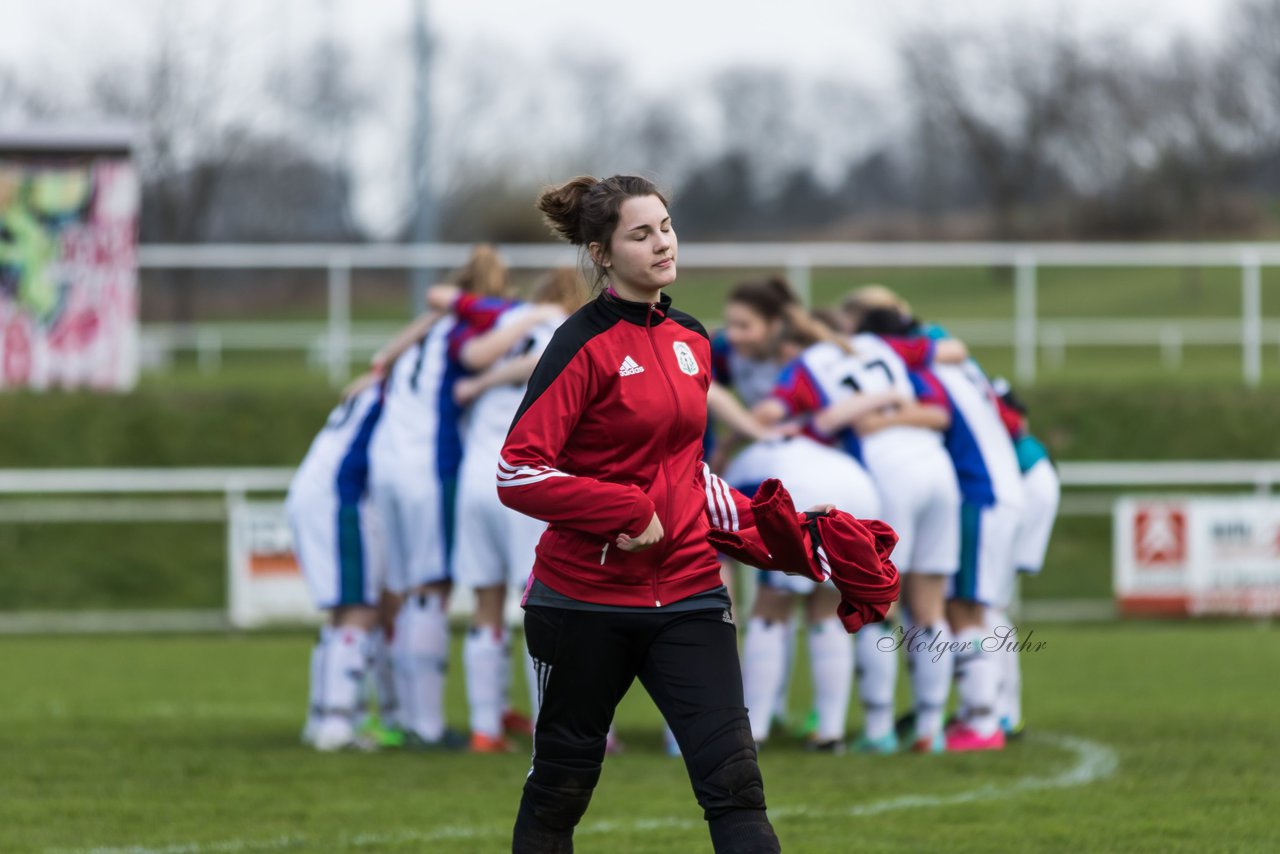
<point>562,207</point>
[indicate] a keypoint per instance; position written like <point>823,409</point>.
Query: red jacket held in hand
<point>853,553</point>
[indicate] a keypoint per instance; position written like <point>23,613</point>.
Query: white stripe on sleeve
<point>707,476</point>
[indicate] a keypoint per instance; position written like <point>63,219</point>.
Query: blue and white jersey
<point>338,460</point>
<point>489,417</point>
<point>420,424</point>
<point>977,440</point>
<point>879,368</point>
<point>751,379</point>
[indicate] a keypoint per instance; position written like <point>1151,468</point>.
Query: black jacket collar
<point>635,312</point>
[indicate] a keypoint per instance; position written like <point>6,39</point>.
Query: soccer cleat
<point>905,727</point>
<point>612,744</point>
<point>936,743</point>
<point>481,743</point>
<point>333,735</point>
<point>375,731</point>
<point>514,723</point>
<point>808,726</point>
<point>1013,731</point>
<point>451,740</point>
<point>882,746</point>
<point>834,746</point>
<point>961,738</point>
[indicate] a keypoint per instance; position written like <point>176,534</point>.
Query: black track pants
<point>688,662</point>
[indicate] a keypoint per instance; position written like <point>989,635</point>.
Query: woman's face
<point>642,252</point>
<point>749,332</point>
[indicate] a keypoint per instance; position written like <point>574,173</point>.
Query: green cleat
<point>808,727</point>
<point>882,746</point>
<point>373,729</point>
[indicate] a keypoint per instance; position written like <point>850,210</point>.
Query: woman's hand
<point>821,509</point>
<point>442,297</point>
<point>649,537</point>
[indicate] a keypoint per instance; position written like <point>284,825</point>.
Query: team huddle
<point>862,406</point>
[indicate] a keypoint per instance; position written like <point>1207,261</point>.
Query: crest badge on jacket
<point>684,357</point>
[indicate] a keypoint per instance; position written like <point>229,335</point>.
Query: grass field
<point>1141,737</point>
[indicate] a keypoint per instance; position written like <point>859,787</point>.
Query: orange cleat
<point>481,743</point>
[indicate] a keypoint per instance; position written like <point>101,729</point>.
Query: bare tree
<point>1009,102</point>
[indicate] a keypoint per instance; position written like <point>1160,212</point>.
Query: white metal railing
<point>798,259</point>
<point>26,494</point>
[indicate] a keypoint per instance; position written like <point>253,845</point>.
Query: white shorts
<point>986,554</point>
<point>340,550</point>
<point>813,474</point>
<point>494,544</point>
<point>416,517</point>
<point>920,500</point>
<point>1042,491</point>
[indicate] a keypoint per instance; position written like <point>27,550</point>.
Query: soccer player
<point>1042,492</point>
<point>415,455</point>
<point>813,472</point>
<point>607,447</point>
<point>337,541</point>
<point>993,496</point>
<point>747,356</point>
<point>865,398</point>
<point>495,545</point>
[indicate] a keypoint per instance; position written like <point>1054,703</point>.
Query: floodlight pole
<point>424,201</point>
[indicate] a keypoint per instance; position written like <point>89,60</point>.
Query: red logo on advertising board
<point>1160,536</point>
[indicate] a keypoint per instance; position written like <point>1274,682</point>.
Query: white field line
<point>1094,761</point>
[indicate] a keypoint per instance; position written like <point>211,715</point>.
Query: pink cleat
<point>961,737</point>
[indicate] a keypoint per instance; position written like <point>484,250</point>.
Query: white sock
<point>484,657</point>
<point>831,662</point>
<point>342,670</point>
<point>977,682</point>
<point>762,665</point>
<point>877,677</point>
<point>381,695</point>
<point>420,656</point>
<point>931,667</point>
<point>1009,704</point>
<point>314,685</point>
<point>530,681</point>
<point>782,703</point>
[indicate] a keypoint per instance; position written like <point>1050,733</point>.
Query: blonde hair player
<point>415,457</point>
<point>494,544</point>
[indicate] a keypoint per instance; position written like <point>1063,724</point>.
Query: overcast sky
<point>661,41</point>
<point>667,46</point>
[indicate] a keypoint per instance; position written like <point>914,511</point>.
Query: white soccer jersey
<point>879,368</point>
<point>336,535</point>
<point>345,438</point>
<point>986,464</point>
<point>489,417</point>
<point>412,422</point>
<point>415,456</point>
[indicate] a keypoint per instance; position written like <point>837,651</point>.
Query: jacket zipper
<point>675,399</point>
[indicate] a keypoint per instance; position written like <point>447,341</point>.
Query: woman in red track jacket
<point>607,448</point>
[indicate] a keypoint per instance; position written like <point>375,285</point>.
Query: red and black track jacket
<point>610,431</point>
